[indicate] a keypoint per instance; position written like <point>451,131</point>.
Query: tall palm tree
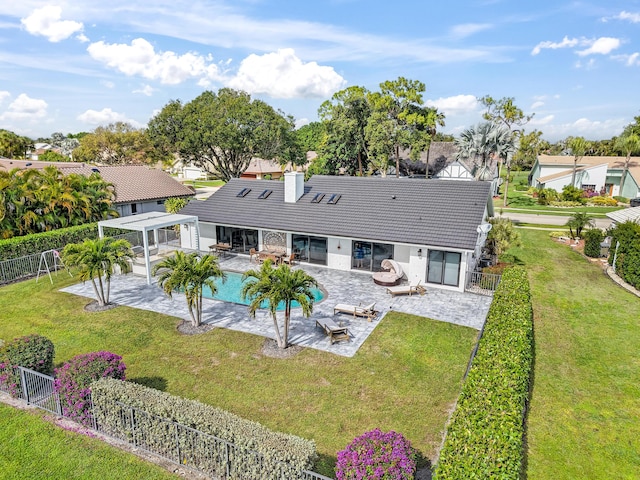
<point>627,144</point>
<point>97,259</point>
<point>189,273</point>
<point>579,148</point>
<point>483,142</point>
<point>271,286</point>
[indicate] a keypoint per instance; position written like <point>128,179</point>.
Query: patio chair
<point>407,289</point>
<point>253,255</point>
<point>334,331</point>
<point>289,260</point>
<point>367,311</point>
<point>391,275</point>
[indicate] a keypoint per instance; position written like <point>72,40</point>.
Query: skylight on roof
<point>265,194</point>
<point>243,192</point>
<point>333,199</point>
<point>318,198</point>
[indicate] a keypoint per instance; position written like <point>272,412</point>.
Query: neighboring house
<point>138,189</point>
<point>594,173</point>
<point>625,215</point>
<point>441,162</point>
<point>432,228</point>
<point>261,169</point>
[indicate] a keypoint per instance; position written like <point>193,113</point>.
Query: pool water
<point>229,291</point>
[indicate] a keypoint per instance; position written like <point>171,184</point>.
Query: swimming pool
<point>229,291</point>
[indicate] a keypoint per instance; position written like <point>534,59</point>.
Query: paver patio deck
<point>466,309</point>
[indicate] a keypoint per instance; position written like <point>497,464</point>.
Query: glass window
<point>310,249</point>
<point>368,255</point>
<point>444,267</point>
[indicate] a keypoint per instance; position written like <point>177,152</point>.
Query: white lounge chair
<point>367,311</point>
<point>407,289</point>
<point>334,331</point>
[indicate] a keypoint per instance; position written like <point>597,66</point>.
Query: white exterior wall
<point>124,209</point>
<point>456,171</point>
<point>339,258</point>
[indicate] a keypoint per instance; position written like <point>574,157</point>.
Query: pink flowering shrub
<point>32,351</point>
<point>376,455</point>
<point>74,377</point>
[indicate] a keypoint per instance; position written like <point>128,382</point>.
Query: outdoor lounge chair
<point>391,275</point>
<point>407,290</point>
<point>357,311</point>
<point>334,331</point>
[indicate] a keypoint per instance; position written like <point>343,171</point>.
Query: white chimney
<point>293,186</point>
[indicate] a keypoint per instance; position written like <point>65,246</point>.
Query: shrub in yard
<point>74,378</point>
<point>572,194</point>
<point>592,240</point>
<point>603,201</point>
<point>485,437</point>
<point>32,351</point>
<point>546,196</point>
<point>377,455</point>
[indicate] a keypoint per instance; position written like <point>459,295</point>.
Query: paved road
<point>548,219</point>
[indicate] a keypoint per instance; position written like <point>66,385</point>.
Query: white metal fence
<point>482,283</point>
<point>222,460</point>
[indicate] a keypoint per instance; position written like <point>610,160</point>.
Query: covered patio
<point>151,222</point>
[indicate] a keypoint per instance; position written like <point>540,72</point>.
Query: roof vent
<point>243,192</point>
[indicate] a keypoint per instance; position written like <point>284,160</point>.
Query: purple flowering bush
<point>377,455</point>
<point>32,351</point>
<point>74,377</point>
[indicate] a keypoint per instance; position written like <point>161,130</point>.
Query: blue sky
<point>74,65</point>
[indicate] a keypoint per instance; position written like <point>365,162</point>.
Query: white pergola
<point>147,222</point>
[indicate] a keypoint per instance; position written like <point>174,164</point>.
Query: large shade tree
<point>269,287</point>
<point>13,145</point>
<point>118,143</point>
<point>189,273</point>
<point>220,132</point>
<point>96,261</point>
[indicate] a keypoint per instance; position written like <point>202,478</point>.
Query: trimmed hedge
<point>32,351</point>
<point>592,240</point>
<point>39,242</point>
<point>283,455</point>
<point>485,434</point>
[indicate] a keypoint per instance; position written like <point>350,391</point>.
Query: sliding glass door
<point>368,255</point>
<point>310,249</point>
<point>444,267</point>
<point>240,239</point>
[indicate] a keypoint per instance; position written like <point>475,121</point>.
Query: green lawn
<point>31,448</point>
<point>405,377</point>
<point>583,419</point>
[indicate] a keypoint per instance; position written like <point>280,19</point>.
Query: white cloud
<point>283,75</point>
<point>145,90</point>
<point>105,116</point>
<point>301,122</point>
<point>107,83</point>
<point>82,37</point>
<point>140,58</point>
<point>3,95</point>
<point>588,65</point>
<point>46,21</point>
<point>602,46</point>
<point>632,17</point>
<point>468,29</point>
<point>565,43</point>
<point>590,129</point>
<point>25,108</point>
<point>456,105</point>
<point>537,104</point>
<point>539,121</point>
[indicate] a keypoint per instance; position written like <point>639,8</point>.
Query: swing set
<point>44,264</point>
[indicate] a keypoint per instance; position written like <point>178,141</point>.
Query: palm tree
<point>627,144</point>
<point>97,259</point>
<point>579,148</point>
<point>272,286</point>
<point>483,142</point>
<point>189,273</point>
<point>578,221</point>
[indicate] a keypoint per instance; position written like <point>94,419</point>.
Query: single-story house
<point>434,229</point>
<point>625,215</point>
<point>138,188</point>
<point>594,173</point>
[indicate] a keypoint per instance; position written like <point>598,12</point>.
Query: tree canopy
<point>220,132</point>
<point>13,145</point>
<point>117,144</point>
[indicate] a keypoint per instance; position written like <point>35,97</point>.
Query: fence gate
<point>34,388</point>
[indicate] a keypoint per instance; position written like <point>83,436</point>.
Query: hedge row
<point>39,242</point>
<point>485,434</point>
<point>283,455</point>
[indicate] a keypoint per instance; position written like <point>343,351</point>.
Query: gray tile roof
<point>423,212</point>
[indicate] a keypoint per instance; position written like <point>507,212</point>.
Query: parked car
<point>635,202</point>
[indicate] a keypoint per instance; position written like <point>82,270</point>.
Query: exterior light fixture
<point>419,253</point>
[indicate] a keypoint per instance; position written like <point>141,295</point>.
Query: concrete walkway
<point>353,288</point>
